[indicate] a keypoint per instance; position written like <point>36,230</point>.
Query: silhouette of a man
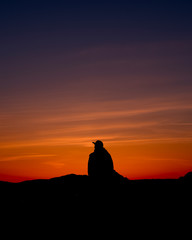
<point>100,163</point>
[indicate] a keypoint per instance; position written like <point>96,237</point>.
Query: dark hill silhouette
<point>80,179</point>
<point>82,186</point>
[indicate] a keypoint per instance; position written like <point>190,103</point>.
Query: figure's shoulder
<point>106,152</point>
<point>91,154</point>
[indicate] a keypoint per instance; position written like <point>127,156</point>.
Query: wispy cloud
<point>25,156</point>
<point>114,109</point>
<point>125,121</point>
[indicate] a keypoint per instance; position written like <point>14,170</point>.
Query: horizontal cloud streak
<point>25,157</point>
<point>154,118</point>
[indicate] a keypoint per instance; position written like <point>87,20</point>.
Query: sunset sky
<point>72,72</point>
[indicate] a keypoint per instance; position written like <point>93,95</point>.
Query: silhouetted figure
<point>100,162</point>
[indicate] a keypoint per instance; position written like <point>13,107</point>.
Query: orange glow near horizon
<point>135,161</point>
<point>147,139</point>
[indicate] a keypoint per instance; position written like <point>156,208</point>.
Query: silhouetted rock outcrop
<point>187,177</point>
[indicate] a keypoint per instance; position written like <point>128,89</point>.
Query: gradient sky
<point>72,72</point>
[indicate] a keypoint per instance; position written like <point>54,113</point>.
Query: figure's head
<point>98,144</point>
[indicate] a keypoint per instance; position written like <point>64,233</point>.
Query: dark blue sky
<point>47,27</point>
<point>56,47</point>
<point>95,21</point>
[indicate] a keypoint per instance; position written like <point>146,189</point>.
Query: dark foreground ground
<point>81,189</point>
<point>84,204</point>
